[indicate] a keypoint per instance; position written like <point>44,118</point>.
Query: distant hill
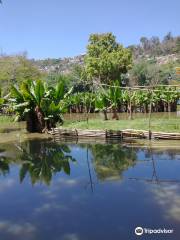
<point>65,65</point>
<point>149,49</point>
<point>59,65</point>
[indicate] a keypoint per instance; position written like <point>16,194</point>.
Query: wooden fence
<point>73,134</point>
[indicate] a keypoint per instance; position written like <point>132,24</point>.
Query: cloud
<point>60,183</point>
<point>20,230</point>
<point>168,197</point>
<point>49,207</point>
<point>70,236</point>
<point>67,182</point>
<point>6,183</point>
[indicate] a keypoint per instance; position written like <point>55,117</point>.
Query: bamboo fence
<point>73,134</point>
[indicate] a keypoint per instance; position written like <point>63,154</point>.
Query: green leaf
<point>16,94</point>
<point>39,91</point>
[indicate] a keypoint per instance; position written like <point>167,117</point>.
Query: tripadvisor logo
<point>140,231</point>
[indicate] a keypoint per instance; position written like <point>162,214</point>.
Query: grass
<point>159,125</point>
<point>7,122</point>
<point>6,119</point>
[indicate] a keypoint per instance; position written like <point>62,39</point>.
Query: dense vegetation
<point>115,99</point>
<point>106,60</point>
<point>104,82</point>
<point>41,106</point>
<point>16,69</point>
<point>153,62</point>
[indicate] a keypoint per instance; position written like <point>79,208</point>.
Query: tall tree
<point>145,43</point>
<point>106,59</point>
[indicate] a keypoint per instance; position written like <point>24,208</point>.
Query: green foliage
<point>81,102</point>
<point>106,60</point>
<point>117,99</point>
<point>1,99</point>
<point>102,100</point>
<point>139,73</point>
<point>35,99</point>
<point>15,70</point>
<point>147,72</point>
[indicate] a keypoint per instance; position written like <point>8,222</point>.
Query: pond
<point>81,191</point>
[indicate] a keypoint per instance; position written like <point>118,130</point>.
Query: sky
<point>61,28</point>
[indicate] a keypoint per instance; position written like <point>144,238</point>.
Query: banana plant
<point>142,100</point>
<point>39,105</point>
<point>1,100</point>
<point>102,102</point>
<point>169,96</point>
<point>129,98</point>
<point>115,98</point>
<point>88,99</point>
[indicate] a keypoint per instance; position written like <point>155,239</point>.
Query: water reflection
<point>77,200</point>
<point>4,163</point>
<point>111,160</point>
<point>38,159</point>
<point>42,159</point>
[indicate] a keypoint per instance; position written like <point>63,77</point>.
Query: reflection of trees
<point>4,163</point>
<point>38,159</point>
<point>41,159</point>
<point>112,159</point>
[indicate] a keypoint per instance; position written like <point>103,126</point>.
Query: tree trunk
<point>35,121</point>
<point>40,124</point>
<point>105,114</point>
<point>169,107</point>
<point>31,122</point>
<point>145,108</point>
<point>130,110</point>
<point>165,107</point>
<point>115,115</point>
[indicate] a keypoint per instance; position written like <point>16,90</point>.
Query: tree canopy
<point>106,59</point>
<point>16,69</point>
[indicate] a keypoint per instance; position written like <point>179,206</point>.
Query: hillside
<point>65,65</point>
<point>59,65</point>
<point>154,62</point>
<point>162,52</point>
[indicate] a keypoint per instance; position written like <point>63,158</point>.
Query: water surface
<point>71,191</point>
